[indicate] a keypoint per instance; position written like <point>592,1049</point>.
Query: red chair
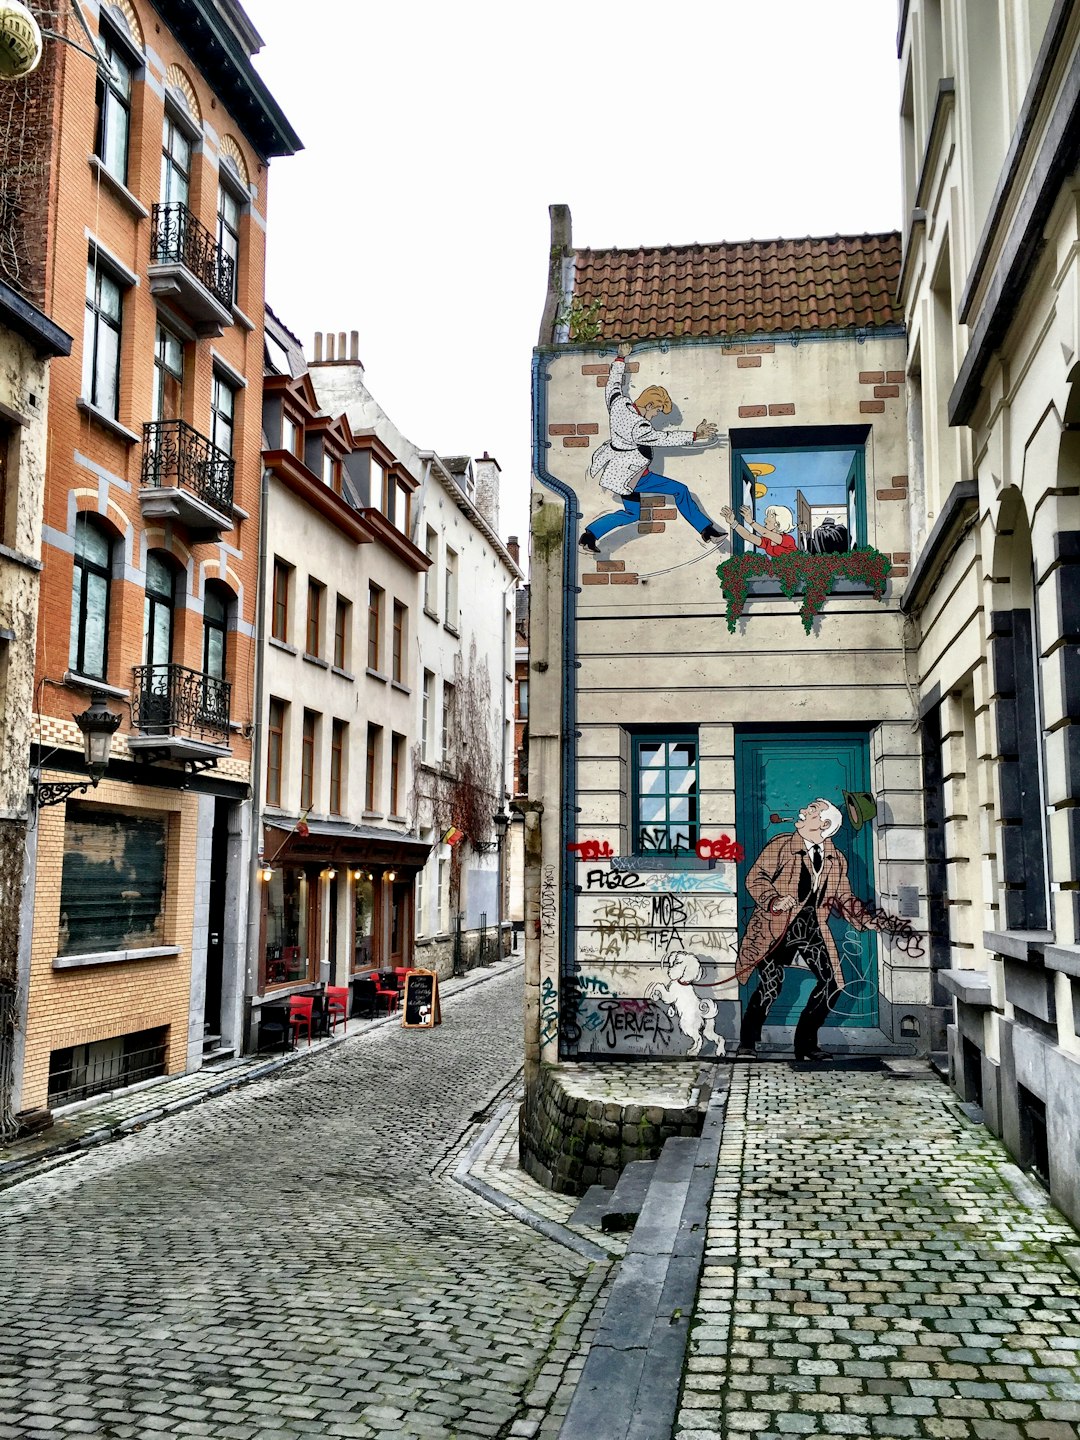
<point>300,1007</point>
<point>386,989</point>
<point>337,1005</point>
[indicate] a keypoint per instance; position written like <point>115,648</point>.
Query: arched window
<point>158,609</point>
<point>217,607</point>
<point>90,598</point>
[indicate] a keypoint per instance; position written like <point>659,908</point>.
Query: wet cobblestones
<point>870,1272</point>
<point>284,1261</point>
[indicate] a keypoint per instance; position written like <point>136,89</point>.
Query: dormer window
<point>292,435</point>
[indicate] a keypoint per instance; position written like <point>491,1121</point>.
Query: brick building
<point>153,259</point>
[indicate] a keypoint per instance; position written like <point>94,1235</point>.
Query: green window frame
<point>665,790</point>
<point>743,480</point>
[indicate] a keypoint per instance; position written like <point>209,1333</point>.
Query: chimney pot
<point>354,344</point>
<point>329,345</point>
<point>342,352</point>
<point>318,346</point>
<point>514,549</point>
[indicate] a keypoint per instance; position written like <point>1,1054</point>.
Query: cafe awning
<point>338,841</point>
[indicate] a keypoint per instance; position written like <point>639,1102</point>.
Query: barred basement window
<point>113,884</point>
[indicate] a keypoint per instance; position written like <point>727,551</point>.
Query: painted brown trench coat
<point>776,873</point>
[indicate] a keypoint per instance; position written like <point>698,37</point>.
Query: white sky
<point>437,135</point>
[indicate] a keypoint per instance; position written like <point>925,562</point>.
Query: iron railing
<point>176,456</point>
<point>84,1070</point>
<point>177,238</point>
<point>173,700</point>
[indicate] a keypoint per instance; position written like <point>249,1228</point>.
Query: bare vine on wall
<point>460,788</point>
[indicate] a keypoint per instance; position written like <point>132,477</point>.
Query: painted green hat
<point>861,807</point>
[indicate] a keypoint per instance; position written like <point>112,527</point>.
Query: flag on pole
<point>452,836</point>
<point>301,827</point>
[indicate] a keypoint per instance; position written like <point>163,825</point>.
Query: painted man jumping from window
<point>622,463</point>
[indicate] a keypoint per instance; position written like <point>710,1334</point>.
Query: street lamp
<point>502,824</point>
<point>98,725</point>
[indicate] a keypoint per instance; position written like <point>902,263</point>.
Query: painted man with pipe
<point>799,878</point>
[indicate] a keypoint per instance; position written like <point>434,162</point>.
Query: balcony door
<point>158,610</point>
<point>175,163</point>
<point>168,398</point>
<point>216,605</point>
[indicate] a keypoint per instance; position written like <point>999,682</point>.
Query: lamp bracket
<point>55,792</point>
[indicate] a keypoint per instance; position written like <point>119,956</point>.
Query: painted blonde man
<point>622,463</point>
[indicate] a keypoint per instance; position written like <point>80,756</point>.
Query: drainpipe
<point>254,917</point>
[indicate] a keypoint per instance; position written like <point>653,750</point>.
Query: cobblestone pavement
<point>294,1259</point>
<point>870,1272</point>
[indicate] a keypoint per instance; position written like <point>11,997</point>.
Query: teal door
<point>776,774</point>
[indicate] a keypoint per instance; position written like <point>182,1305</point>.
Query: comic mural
<point>754,929</point>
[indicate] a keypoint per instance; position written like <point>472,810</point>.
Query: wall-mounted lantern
<point>98,725</point>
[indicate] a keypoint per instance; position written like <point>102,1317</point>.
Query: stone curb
<point>550,1229</point>
<point>629,1388</point>
<point>15,1172</point>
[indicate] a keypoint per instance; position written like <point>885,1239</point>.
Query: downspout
<point>254,919</point>
<point>567,742</point>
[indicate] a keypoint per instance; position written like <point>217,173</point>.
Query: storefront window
<point>364,918</point>
<point>291,896</point>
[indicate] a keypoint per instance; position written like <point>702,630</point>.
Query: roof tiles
<point>742,288</point>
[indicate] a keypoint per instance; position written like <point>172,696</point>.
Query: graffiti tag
<point>549,1011</point>
<point>722,848</point>
<point>591,849</point>
<point>612,880</point>
<point>634,1020</point>
<point>896,930</point>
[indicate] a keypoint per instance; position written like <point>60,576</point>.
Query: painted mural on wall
<point>622,464</point>
<point>661,969</point>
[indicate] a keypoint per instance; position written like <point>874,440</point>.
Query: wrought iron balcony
<point>175,703</point>
<point>190,268</point>
<point>186,477</point>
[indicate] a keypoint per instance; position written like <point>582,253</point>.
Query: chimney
<point>331,348</point>
<point>515,550</point>
<point>486,496</point>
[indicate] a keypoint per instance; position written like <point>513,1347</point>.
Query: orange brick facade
<point>95,467</point>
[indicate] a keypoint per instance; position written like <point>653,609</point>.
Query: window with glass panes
<point>337,766</point>
<point>371,767</point>
<point>158,607</point>
<point>279,625</point>
<point>397,754</point>
<point>450,615</point>
<point>307,760</point>
<point>341,632</point>
<point>431,577</point>
<point>101,340</point>
<point>275,750</point>
<point>398,660</point>
<point>331,472</point>
<point>228,229</point>
<point>292,436</point>
<point>447,718</point>
<point>402,507</point>
<point>315,593</point>
<point>665,793</point>
<point>113,101</point>
<point>425,715</point>
<point>92,572</point>
<point>167,402</point>
<point>222,413</point>
<point>175,163</point>
<point>374,641</point>
<point>215,629</point>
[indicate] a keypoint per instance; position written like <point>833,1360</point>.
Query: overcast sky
<point>436,136</point>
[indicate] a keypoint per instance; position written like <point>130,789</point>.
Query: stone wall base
<point>571,1139</point>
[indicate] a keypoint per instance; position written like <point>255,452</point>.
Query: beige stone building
<point>989,287</point>
<point>678,731</point>
<point>28,341</point>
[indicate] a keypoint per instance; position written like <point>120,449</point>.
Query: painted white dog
<point>696,1017</point>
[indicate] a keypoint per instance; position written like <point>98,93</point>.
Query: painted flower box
<point>814,577</point>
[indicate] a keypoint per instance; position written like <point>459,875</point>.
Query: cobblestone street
<point>294,1259</point>
<point>876,1267</point>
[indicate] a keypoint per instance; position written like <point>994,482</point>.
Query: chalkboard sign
<point>421,1008</point>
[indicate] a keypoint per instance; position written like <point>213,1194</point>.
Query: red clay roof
<point>742,288</point>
